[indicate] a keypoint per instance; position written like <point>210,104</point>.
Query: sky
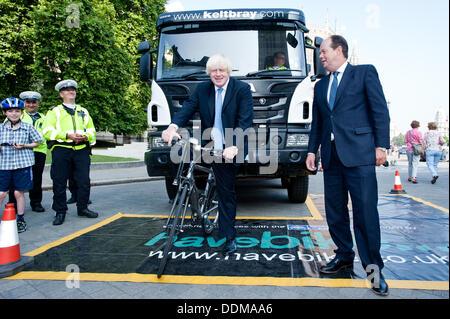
<point>407,42</point>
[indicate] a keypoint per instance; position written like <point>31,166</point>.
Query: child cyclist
<point>16,156</point>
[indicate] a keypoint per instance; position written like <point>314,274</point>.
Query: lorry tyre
<point>298,189</point>
<point>285,182</point>
<point>171,189</point>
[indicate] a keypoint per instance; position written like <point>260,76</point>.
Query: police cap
<point>30,96</point>
<point>66,84</point>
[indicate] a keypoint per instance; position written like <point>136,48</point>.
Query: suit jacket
<point>237,108</point>
<point>359,120</point>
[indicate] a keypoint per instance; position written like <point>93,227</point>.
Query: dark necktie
<point>35,117</point>
<point>333,90</point>
<point>217,133</point>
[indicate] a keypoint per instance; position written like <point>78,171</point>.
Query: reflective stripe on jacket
<point>59,122</point>
<point>39,126</point>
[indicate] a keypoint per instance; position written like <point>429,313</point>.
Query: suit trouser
<point>361,183</point>
<point>64,161</point>
<point>225,174</point>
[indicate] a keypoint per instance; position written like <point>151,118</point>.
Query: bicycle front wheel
<point>181,202</point>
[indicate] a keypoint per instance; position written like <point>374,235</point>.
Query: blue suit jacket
<point>359,120</point>
<point>237,109</point>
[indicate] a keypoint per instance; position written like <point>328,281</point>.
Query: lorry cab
<point>267,49</point>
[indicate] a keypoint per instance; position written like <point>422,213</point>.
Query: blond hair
<point>218,61</point>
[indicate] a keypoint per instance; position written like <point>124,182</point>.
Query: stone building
<point>441,119</point>
<point>324,31</point>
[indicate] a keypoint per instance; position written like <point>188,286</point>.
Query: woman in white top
<point>433,145</point>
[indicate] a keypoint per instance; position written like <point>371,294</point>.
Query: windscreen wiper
<point>194,75</point>
<point>264,72</point>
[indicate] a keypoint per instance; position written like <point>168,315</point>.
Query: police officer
<point>35,118</point>
<point>69,131</point>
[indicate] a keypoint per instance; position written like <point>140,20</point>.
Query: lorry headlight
<point>297,140</point>
<point>157,142</point>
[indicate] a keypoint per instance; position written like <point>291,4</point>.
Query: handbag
<point>417,148</point>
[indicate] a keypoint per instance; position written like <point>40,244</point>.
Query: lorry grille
<point>268,108</point>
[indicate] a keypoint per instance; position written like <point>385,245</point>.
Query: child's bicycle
<point>203,204</point>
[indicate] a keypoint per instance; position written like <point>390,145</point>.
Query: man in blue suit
<point>351,125</point>
<point>223,103</point>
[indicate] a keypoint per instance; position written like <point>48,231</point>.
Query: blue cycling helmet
<point>12,103</point>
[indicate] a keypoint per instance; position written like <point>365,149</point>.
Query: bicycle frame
<point>188,194</point>
<point>187,180</point>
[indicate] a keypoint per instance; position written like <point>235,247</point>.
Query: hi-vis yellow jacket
<point>58,122</point>
<point>39,126</point>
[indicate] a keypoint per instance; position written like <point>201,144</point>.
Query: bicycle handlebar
<point>197,147</point>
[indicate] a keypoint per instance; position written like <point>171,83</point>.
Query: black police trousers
<point>38,170</point>
<point>64,162</point>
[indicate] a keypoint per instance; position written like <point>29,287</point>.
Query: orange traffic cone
<point>10,260</point>
<point>397,185</point>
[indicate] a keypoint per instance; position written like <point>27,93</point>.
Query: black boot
<point>37,208</point>
<point>59,218</point>
<point>71,200</point>
<point>87,213</point>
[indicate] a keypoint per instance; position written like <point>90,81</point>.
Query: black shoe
<point>381,287</point>
<point>335,266</point>
<point>87,213</point>
<point>59,219</point>
<point>38,208</point>
<point>434,179</point>
<point>73,200</point>
<point>230,247</point>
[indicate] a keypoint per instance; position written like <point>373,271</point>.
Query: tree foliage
<point>93,42</point>
<point>16,48</point>
<point>399,139</point>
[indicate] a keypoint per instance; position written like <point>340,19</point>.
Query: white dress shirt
<point>341,70</point>
<point>224,87</point>
<point>339,78</point>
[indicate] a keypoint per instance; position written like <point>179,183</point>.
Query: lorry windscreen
<point>184,51</point>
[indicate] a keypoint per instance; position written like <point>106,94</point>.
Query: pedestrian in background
<point>413,136</point>
<point>433,141</point>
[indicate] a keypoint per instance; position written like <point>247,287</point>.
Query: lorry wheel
<point>171,189</point>
<point>285,182</point>
<point>298,189</point>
